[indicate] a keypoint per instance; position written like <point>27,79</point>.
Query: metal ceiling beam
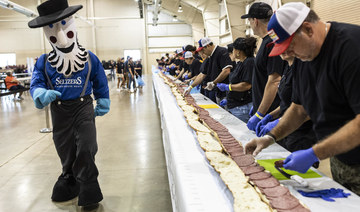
<point>18,8</point>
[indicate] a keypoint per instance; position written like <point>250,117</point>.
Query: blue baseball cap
<point>283,25</point>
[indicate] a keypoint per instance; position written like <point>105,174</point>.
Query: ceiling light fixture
<point>180,10</point>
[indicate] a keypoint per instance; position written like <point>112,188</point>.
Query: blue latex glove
<point>301,160</point>
<point>268,127</point>
<point>223,86</point>
<point>43,97</point>
<point>102,106</point>
<point>254,120</point>
<point>326,194</point>
<point>262,124</point>
<point>251,111</point>
<point>186,77</point>
<point>223,102</point>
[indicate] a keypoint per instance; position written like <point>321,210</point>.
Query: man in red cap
<point>325,90</point>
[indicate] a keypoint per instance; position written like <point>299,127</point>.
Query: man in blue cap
<point>325,90</point>
<point>65,78</point>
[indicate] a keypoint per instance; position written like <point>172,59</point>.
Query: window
<point>8,59</point>
<point>134,53</point>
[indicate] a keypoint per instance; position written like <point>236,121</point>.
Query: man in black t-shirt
<point>138,68</point>
<point>130,72</point>
<point>268,70</point>
<point>194,66</point>
<point>120,72</point>
<point>325,89</point>
<point>219,67</point>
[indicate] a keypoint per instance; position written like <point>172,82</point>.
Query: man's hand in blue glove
<point>268,127</point>
<point>43,97</point>
<point>186,77</point>
<point>301,160</point>
<point>254,120</point>
<point>223,102</point>
<point>102,106</point>
<point>262,124</point>
<point>223,86</point>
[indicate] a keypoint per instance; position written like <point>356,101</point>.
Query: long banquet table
<point>196,186</point>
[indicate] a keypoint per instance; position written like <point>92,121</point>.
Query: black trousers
<point>74,135</point>
<point>302,138</point>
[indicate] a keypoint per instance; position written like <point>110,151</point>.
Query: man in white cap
<point>194,66</point>
<point>268,71</point>
<point>218,70</point>
<point>326,90</point>
<point>65,78</point>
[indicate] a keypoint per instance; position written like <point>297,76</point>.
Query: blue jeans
<point>242,112</point>
<point>131,80</point>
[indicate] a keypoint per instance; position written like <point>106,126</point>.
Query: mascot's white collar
<point>67,55</point>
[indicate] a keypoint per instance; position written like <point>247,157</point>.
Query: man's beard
<point>68,63</point>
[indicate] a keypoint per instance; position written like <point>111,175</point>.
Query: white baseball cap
<point>284,23</point>
<point>203,42</point>
<point>178,51</point>
<point>188,54</point>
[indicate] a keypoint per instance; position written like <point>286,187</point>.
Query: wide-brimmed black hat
<point>53,11</point>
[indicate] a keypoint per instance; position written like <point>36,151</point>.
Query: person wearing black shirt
<point>138,68</point>
<point>120,72</point>
<point>130,71</point>
<point>238,98</point>
<point>218,70</point>
<point>186,69</point>
<point>203,67</point>
<point>325,89</point>
<point>268,70</point>
<point>304,137</point>
<point>194,66</point>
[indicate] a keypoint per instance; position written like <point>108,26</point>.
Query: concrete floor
<point>130,159</point>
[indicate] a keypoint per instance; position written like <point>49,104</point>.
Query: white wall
<point>120,28</point>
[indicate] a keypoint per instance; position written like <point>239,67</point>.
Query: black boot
<point>66,188</point>
<point>90,194</point>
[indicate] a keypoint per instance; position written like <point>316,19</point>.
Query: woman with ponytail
<point>238,99</point>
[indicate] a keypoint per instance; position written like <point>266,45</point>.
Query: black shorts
<point>16,87</point>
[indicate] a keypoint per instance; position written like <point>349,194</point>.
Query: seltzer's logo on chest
<point>273,35</point>
<point>67,82</point>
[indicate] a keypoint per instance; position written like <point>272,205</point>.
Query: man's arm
<point>293,118</point>
<point>275,113</point>
<point>223,74</point>
<point>180,74</point>
<point>199,78</point>
<point>270,91</point>
<point>343,140</point>
<point>240,87</point>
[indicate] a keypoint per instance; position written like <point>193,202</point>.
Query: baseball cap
<point>188,55</point>
<point>284,23</point>
<point>183,49</point>
<point>203,42</point>
<point>259,10</point>
<point>179,51</point>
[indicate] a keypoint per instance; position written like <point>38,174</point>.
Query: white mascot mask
<point>67,55</point>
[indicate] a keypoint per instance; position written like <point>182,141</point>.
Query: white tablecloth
<point>195,185</point>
